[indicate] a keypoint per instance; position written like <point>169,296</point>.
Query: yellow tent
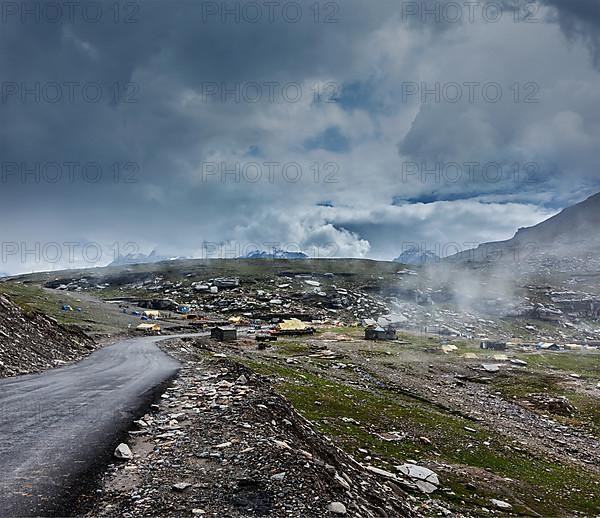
<point>149,327</point>
<point>293,324</point>
<point>151,313</point>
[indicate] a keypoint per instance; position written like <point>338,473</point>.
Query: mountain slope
<point>572,232</point>
<point>141,258</point>
<point>416,256</point>
<point>573,225</point>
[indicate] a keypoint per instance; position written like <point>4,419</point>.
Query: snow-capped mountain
<point>416,256</point>
<point>276,253</point>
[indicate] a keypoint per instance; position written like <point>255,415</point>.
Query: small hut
<point>379,333</point>
<point>224,334</point>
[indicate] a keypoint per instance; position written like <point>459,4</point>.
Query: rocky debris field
<point>524,435</point>
<point>221,442</point>
<point>524,429</point>
<point>452,300</point>
<point>558,302</point>
<point>393,436</point>
<point>313,296</point>
<point>33,342</point>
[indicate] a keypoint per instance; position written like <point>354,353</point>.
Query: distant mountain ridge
<point>415,256</point>
<point>276,253</point>
<point>573,231</point>
<point>141,258</point>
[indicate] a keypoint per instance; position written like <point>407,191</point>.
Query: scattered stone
<point>337,508</point>
<point>490,367</point>
<point>516,361</point>
<point>557,405</point>
<point>180,486</point>
<point>500,504</point>
<point>381,472</point>
<point>123,452</point>
<point>342,482</point>
<point>425,479</point>
<point>425,487</point>
<point>391,436</point>
<point>282,444</point>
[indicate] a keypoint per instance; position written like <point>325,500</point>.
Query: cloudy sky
<point>342,129</point>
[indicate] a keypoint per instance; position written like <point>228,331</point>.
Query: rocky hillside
<point>33,342</point>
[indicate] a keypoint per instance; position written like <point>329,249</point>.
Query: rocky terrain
<point>310,295</point>
<point>558,302</point>
<point>332,425</point>
<point>429,423</point>
<point>222,442</point>
<point>33,341</point>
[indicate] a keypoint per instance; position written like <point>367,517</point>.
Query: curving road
<point>58,428</point>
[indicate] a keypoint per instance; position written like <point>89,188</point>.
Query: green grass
<point>357,332</point>
<point>546,487</point>
<point>527,382</point>
<point>417,340</point>
<point>587,414</point>
<point>32,297</point>
<point>585,363</point>
<point>288,348</point>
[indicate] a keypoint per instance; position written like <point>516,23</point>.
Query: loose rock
<point>500,504</point>
<point>123,452</point>
<point>337,508</point>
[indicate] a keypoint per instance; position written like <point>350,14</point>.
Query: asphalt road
<point>59,428</point>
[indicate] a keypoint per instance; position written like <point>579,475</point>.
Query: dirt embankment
<point>33,342</point>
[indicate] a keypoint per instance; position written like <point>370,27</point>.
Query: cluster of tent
<point>66,307</point>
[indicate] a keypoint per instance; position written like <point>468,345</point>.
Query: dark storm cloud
<point>580,19</point>
<point>165,113</point>
<point>141,125</point>
<point>170,50</point>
